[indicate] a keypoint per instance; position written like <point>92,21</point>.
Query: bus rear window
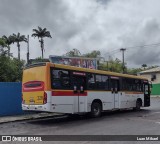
<point>33,84</point>
<point>36,85</point>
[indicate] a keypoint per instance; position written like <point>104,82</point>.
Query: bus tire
<point>138,105</point>
<point>96,109</point>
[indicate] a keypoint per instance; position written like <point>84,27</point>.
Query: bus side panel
<point>83,104</point>
<point>69,104</point>
<point>105,97</point>
<point>63,104</point>
<point>128,99</point>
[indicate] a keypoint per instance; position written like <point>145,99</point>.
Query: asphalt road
<point>128,122</point>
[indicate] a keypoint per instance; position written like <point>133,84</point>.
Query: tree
<point>10,69</point>
<point>144,66</point>
<point>8,40</point>
<point>2,42</point>
<point>93,54</point>
<point>37,60</point>
<point>111,65</point>
<point>2,45</point>
<point>19,38</point>
<point>73,53</point>
<point>133,71</point>
<point>41,33</point>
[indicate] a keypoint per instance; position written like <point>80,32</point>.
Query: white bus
<point>72,90</point>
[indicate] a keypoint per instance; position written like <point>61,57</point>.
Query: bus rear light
<point>22,99</point>
<point>45,98</point>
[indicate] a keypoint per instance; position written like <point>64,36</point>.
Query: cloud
<point>87,25</point>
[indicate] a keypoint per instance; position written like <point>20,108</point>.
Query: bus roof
<point>95,71</point>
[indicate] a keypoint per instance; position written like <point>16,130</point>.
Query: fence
<point>10,98</point>
<point>156,90</point>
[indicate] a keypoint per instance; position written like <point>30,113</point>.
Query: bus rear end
<point>35,94</point>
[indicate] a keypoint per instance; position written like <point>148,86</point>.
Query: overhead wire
<point>140,46</point>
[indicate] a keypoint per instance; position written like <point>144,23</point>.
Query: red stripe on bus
<point>67,93</point>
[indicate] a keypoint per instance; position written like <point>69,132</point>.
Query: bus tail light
<point>45,98</point>
<point>22,99</point>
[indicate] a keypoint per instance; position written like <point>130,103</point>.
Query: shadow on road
<point>109,115</point>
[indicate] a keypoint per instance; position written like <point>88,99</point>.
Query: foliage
<point>73,53</point>
<point>41,33</point>
<point>2,43</point>
<point>10,69</point>
<point>37,60</point>
<point>2,51</point>
<point>111,65</point>
<point>93,54</point>
<point>2,47</point>
<point>18,38</point>
<point>8,40</point>
<point>134,71</point>
<point>144,66</point>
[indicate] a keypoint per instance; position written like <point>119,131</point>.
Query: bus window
<point>91,81</point>
<point>146,89</point>
<point>114,85</point>
<point>60,79</point>
<point>127,84</point>
<point>79,81</point>
<point>101,82</point>
<point>132,84</point>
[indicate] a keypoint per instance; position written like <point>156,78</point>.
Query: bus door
<point>79,87</point>
<point>114,90</point>
<point>146,94</point>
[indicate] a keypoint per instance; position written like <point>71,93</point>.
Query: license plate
<point>31,102</point>
<point>31,107</point>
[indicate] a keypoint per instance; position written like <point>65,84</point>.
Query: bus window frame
<point>130,86</point>
<point>52,79</point>
<point>93,88</point>
<point>106,82</point>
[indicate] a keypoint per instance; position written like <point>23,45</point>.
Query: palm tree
<point>2,45</point>
<point>19,38</point>
<point>8,41</point>
<point>41,33</point>
<point>144,66</point>
<point>2,42</point>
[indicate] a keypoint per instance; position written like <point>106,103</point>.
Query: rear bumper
<point>45,107</point>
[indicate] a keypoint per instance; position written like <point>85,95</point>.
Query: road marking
<point>158,122</point>
<point>156,112</point>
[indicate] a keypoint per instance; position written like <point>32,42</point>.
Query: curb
<point>9,119</point>
<point>155,96</point>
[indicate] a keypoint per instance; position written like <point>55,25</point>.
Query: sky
<point>87,25</point>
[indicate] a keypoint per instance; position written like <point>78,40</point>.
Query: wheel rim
<point>96,110</point>
<point>138,105</point>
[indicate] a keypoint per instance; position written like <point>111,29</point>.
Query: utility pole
<point>123,50</point>
<point>28,50</point>
<point>107,65</point>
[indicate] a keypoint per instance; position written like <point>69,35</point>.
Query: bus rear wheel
<point>96,109</point>
<point>138,105</point>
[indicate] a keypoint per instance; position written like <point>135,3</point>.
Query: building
<point>153,75</point>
